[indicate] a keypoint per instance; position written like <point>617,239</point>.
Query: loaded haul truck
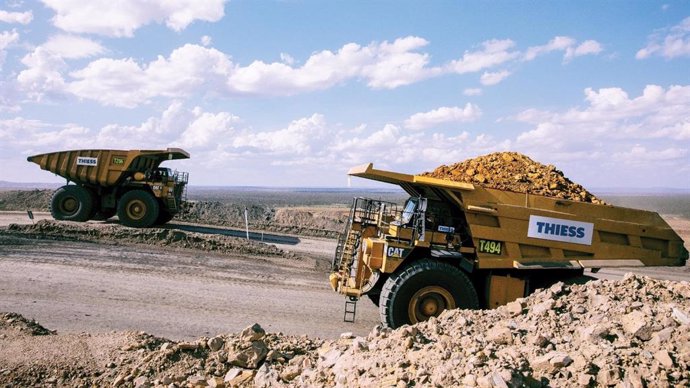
<point>459,245</point>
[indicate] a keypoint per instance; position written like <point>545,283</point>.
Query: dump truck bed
<point>536,232</point>
<point>103,167</point>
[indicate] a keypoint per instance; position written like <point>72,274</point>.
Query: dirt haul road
<point>184,294</point>
<point>179,294</point>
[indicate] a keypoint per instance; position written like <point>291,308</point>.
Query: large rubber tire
<point>71,203</point>
<point>164,217</point>
<point>422,290</point>
<point>138,209</point>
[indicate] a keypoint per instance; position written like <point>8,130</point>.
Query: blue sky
<point>294,93</point>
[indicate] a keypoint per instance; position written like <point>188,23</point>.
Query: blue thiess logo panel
<point>558,229</point>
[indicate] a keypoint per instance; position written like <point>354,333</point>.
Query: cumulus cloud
<point>565,44</point>
<point>125,83</point>
<point>669,43</point>
<point>126,16</point>
<point>73,47</point>
<point>206,40</point>
<point>472,92</point>
<point>492,53</point>
<point>195,69</point>
<point>16,17</point>
<point>443,115</point>
<point>614,123</point>
<point>588,47</point>
<point>6,39</point>
<point>493,78</point>
<point>299,137</point>
<point>42,78</point>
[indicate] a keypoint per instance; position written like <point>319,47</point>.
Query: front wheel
<point>423,290</point>
<point>138,209</point>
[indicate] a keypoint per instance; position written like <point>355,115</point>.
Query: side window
<point>408,212</point>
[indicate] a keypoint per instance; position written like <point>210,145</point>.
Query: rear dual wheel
<point>72,203</point>
<point>423,290</point>
<point>138,209</point>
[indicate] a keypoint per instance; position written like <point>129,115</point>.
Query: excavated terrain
<point>116,234</point>
<point>634,332</point>
<point>514,172</point>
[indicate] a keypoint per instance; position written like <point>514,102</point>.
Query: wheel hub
<point>429,302</point>
<point>136,209</point>
<point>70,205</point>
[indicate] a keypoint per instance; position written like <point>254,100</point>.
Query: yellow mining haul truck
<point>129,183</point>
<point>458,245</point>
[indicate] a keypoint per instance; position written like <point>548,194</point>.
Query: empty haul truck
<point>129,183</point>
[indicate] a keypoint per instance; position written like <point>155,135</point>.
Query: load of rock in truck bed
<point>516,172</point>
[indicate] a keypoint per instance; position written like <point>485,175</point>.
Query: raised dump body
<point>456,244</point>
<point>130,183</point>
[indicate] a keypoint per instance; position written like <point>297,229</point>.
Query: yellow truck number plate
<point>490,246</point>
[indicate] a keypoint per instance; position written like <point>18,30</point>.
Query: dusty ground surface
<point>171,290</point>
<point>94,279</point>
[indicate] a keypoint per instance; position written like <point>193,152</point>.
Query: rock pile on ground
<point>629,333</point>
<point>516,172</point>
<point>116,234</point>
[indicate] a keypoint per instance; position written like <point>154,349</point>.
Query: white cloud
<point>206,40</point>
<point>559,43</point>
<point>126,16</point>
<point>194,69</point>
<point>472,92</point>
<point>675,43</point>
<point>42,77</point>
<point>588,47</point>
<point>125,83</point>
<point>382,65</point>
<point>16,17</point>
<point>73,47</point>
<point>613,122</point>
<point>7,38</point>
<point>287,59</point>
<point>565,44</point>
<point>493,53</point>
<point>639,154</point>
<point>442,115</point>
<point>298,138</point>
<point>494,78</point>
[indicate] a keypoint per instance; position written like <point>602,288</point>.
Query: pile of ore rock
<point>634,332</point>
<point>516,172</point>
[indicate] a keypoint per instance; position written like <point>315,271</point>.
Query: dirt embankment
<point>633,332</point>
<point>37,200</point>
<point>514,172</point>
<point>117,234</point>
<point>318,222</point>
